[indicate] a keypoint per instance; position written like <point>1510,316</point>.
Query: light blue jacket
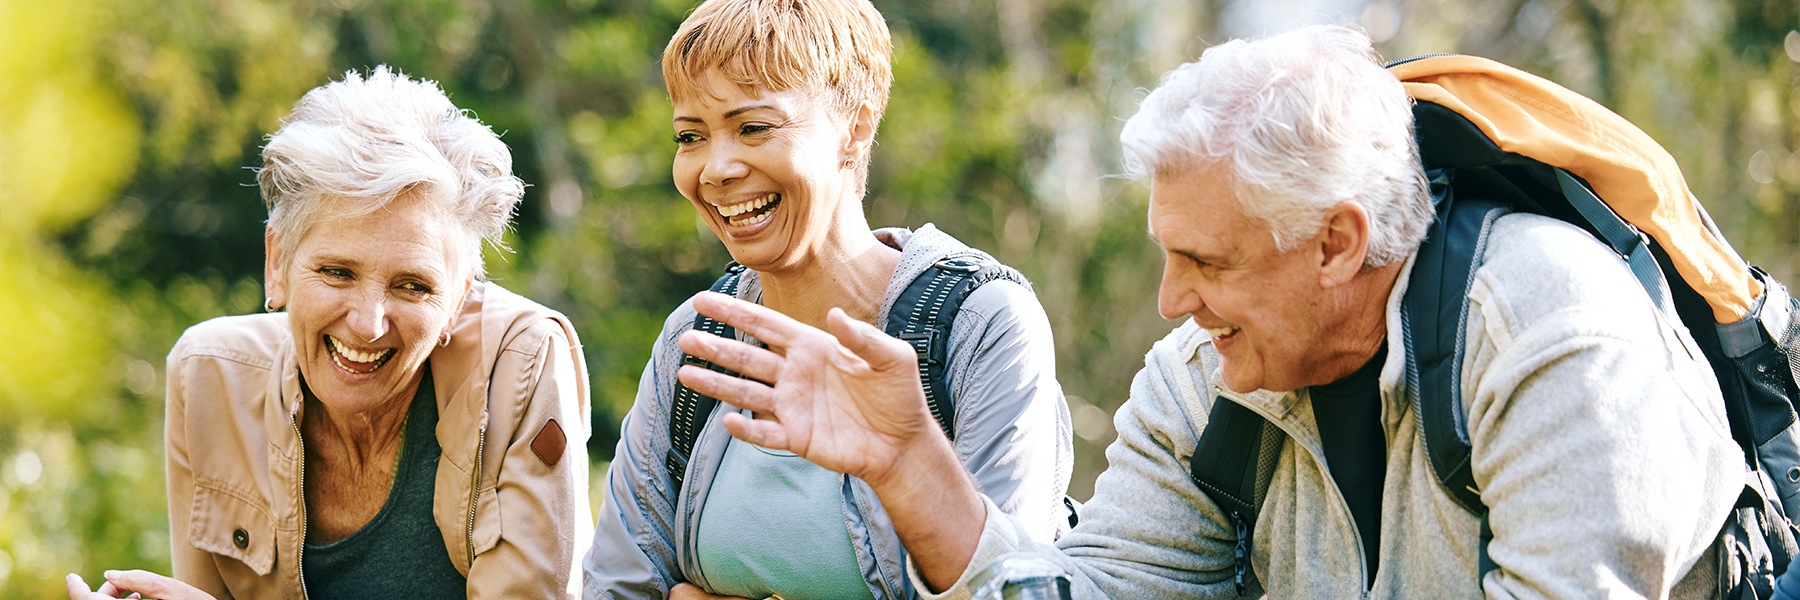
<point>1012,432</point>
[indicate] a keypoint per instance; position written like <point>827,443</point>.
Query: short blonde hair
<point>839,48</point>
<point>377,138</point>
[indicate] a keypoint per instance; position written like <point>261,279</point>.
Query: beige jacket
<point>511,491</point>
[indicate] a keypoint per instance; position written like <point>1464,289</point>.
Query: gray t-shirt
<point>399,553</point>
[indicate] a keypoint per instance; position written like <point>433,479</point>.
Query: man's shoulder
<point>1535,266</point>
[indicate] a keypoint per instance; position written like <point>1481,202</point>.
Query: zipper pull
<point>1241,554</point>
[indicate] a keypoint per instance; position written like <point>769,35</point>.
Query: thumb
<point>883,352</point>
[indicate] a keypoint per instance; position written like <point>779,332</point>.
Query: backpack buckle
<point>921,344</point>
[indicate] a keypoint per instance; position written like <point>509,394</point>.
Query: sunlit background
<point>127,212</point>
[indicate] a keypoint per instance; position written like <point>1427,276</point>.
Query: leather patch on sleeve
<point>549,443</point>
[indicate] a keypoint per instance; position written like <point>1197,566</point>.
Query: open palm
<point>848,400</point>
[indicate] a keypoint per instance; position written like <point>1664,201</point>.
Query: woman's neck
<point>356,437</point>
<point>851,274</point>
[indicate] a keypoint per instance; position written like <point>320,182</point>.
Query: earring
<point>848,162</point>
<point>444,341</point>
<point>269,305</point>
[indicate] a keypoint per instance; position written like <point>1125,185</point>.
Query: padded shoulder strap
<point>1433,314</point>
<point>924,313</point>
<point>1232,463</point>
<point>690,410</point>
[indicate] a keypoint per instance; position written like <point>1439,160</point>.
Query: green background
<point>127,211</point>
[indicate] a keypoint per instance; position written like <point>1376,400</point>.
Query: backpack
<point>922,317</point>
<point>1494,140</point>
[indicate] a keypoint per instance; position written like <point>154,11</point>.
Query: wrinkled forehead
<point>1196,199</point>
<point>399,225</point>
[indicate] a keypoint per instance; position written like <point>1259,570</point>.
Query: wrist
<point>926,457</point>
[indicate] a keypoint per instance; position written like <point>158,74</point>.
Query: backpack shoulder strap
<point>1433,314</point>
<point>690,409</point>
<point>924,313</point>
<point>1233,463</point>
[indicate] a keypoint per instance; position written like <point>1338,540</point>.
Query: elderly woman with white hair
<point>395,426</point>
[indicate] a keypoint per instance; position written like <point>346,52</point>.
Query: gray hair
<point>1300,121</point>
<point>377,138</point>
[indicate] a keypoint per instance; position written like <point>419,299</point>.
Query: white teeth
<point>760,217</point>
<point>355,355</point>
<point>1219,332</point>
<point>747,206</point>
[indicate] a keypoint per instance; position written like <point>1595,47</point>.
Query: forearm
<point>935,508</point>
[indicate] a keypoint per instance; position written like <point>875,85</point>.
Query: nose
<point>722,165</point>
<point>1175,296</point>
<point>368,315</point>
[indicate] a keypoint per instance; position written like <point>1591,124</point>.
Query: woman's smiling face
<point>766,169</point>
<point>368,299</point>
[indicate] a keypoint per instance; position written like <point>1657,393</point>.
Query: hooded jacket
<point>511,487</point>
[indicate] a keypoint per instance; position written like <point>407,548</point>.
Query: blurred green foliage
<point>127,212</point>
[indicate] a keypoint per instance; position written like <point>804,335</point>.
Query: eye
<point>754,128</point>
<point>416,287</point>
<point>335,272</point>
<point>686,137</point>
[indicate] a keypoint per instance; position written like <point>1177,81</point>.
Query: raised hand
<point>848,400</point>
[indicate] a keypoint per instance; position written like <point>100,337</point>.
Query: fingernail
<point>110,574</point>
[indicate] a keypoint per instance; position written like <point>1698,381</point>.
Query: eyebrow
<point>405,271</point>
<point>734,113</point>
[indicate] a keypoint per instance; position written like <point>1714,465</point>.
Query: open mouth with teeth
<point>1222,333</point>
<point>750,212</point>
<point>355,361</point>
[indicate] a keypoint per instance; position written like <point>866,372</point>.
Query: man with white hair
<point>1288,197</point>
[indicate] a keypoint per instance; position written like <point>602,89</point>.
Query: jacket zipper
<point>300,489</point>
<point>1343,504</point>
<point>475,486</point>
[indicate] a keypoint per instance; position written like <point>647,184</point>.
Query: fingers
<point>773,328</point>
<point>768,434</point>
<point>881,351</point>
<point>751,361</point>
<point>742,393</point>
<point>78,588</point>
<point>153,585</point>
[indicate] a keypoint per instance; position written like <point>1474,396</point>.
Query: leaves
<point>127,210</point>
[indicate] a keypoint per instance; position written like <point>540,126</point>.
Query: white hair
<point>1300,121</point>
<point>374,139</point>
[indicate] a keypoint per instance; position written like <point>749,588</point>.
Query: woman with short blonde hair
<point>776,104</point>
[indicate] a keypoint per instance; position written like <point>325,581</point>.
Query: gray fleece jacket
<point>1012,433</point>
<point>1599,443</point>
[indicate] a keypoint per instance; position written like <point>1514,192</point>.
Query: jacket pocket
<point>229,523</point>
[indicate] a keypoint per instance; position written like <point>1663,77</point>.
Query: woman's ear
<point>859,134</point>
<point>274,285</point>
